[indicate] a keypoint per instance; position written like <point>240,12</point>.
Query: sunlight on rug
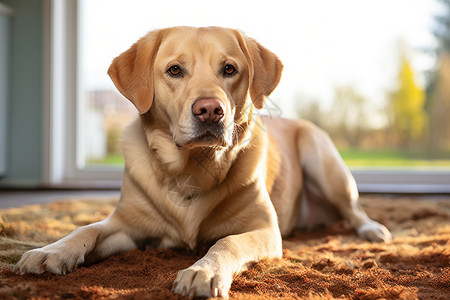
<point>330,263</point>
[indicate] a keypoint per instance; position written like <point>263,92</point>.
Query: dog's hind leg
<point>326,177</point>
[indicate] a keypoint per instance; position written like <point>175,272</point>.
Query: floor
<point>18,198</point>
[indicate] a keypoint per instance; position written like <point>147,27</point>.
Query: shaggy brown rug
<point>330,263</point>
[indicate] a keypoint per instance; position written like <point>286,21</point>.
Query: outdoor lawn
<point>391,158</point>
<point>353,157</point>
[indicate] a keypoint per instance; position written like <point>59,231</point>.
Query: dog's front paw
<point>374,232</point>
<point>202,281</point>
<point>55,259</point>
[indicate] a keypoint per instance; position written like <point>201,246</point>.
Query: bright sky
<point>322,43</point>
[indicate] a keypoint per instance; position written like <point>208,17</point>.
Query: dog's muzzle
<point>209,130</point>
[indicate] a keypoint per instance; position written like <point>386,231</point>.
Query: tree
<point>310,110</point>
<point>442,28</point>
<point>438,89</point>
<point>347,120</point>
<point>407,107</point>
<point>438,108</point>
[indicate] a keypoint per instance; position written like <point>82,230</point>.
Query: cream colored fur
<point>239,190</point>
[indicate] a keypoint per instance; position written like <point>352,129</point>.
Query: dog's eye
<point>229,70</point>
<point>174,71</point>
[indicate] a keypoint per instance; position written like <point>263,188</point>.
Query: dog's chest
<point>182,191</point>
<point>189,208</point>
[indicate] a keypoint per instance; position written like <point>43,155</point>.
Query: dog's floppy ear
<point>265,69</point>
<point>132,71</point>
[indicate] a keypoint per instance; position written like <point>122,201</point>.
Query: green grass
<point>110,159</point>
<point>390,158</point>
<point>353,158</point>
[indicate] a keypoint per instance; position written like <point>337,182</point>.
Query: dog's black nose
<point>208,110</point>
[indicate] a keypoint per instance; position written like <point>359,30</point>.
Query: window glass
<point>374,74</point>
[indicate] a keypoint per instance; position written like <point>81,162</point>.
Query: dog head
<point>199,83</point>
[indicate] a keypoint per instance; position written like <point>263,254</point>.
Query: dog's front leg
<point>92,242</point>
<point>212,275</point>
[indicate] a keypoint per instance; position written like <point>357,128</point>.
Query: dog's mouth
<point>205,140</point>
<point>207,135</point>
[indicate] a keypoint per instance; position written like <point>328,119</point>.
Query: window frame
<point>61,115</point>
<point>402,180</point>
<point>61,155</point>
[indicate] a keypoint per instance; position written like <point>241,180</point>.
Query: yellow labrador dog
<point>200,167</point>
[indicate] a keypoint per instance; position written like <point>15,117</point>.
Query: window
<point>359,70</point>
